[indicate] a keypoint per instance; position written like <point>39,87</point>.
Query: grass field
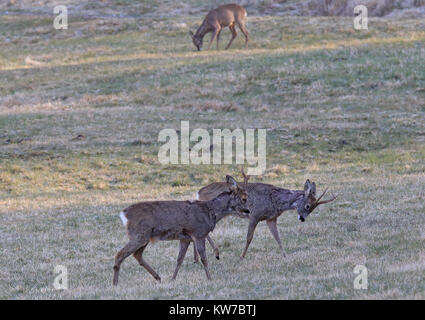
<point>341,107</point>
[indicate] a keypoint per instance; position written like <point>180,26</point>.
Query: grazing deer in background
<point>267,202</point>
<point>177,220</point>
<point>228,15</point>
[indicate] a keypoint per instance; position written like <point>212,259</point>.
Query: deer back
<point>167,220</point>
<point>226,14</point>
<point>264,200</point>
<point>212,190</point>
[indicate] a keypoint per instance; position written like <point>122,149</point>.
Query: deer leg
<point>244,30</point>
<point>195,254</point>
<point>211,242</point>
<point>214,35</point>
<point>218,38</point>
<point>200,246</point>
<point>143,263</point>
<point>234,34</point>
<point>123,254</point>
<point>273,229</point>
<point>184,244</point>
<point>251,228</point>
<point>216,253</point>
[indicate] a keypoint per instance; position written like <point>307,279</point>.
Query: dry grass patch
<point>78,143</point>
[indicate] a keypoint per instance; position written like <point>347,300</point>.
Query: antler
<point>322,194</point>
<point>245,177</point>
<point>327,201</point>
<point>318,202</point>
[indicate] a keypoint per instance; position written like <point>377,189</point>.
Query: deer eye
<point>307,207</point>
<point>243,200</point>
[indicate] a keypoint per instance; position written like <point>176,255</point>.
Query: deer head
<point>309,202</point>
<point>241,192</point>
<point>245,179</point>
<point>239,200</point>
<point>197,41</point>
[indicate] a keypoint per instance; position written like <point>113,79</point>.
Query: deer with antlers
<point>228,15</point>
<point>267,202</point>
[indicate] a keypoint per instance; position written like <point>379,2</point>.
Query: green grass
<point>343,108</point>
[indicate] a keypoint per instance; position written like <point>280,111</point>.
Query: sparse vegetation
<point>78,143</point>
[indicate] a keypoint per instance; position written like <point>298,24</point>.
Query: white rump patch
<point>197,196</point>
<point>123,218</point>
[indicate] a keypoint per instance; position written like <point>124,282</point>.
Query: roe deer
<point>211,241</point>
<point>176,220</point>
<point>228,15</point>
<point>267,202</point>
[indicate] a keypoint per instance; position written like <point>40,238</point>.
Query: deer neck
<point>219,207</point>
<point>288,199</point>
<point>298,196</point>
<point>202,30</point>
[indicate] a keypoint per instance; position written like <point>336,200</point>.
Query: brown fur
<point>176,220</point>
<point>267,202</point>
<point>229,15</point>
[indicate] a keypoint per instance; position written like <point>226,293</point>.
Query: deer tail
<point>123,218</point>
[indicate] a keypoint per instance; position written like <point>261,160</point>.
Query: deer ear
<point>232,182</point>
<point>313,189</point>
<point>307,187</point>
